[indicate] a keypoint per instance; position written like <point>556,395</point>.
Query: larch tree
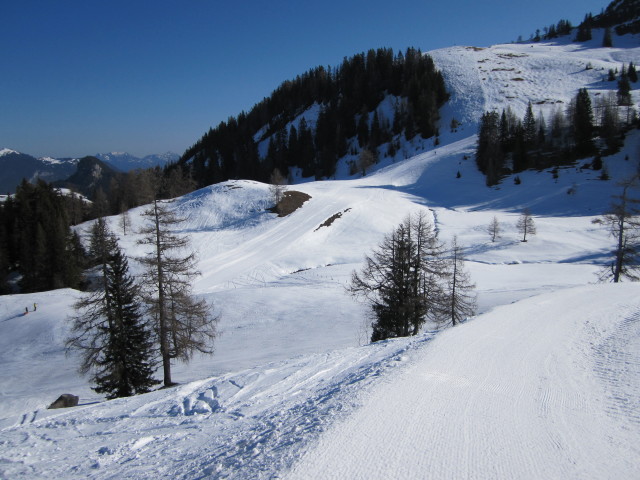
<point>494,229</point>
<point>401,280</point>
<point>526,225</point>
<point>623,221</point>
<point>108,329</point>
<point>183,324</point>
<point>277,186</point>
<point>459,292</point>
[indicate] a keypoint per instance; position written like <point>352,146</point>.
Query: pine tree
<point>529,125</point>
<point>624,88</point>
<point>401,280</point>
<point>632,73</point>
<point>182,323</point>
<point>126,366</point>
<point>489,154</point>
<point>108,329</point>
<point>607,41</point>
<point>459,296</point>
<point>583,124</point>
<point>584,29</point>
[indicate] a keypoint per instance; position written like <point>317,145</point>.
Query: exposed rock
<point>65,400</point>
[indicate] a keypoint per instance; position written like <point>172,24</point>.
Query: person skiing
<point>26,310</point>
<point>35,306</point>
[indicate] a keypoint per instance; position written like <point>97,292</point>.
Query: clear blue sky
<point>93,76</point>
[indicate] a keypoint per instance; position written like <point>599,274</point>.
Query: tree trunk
<point>162,320</point>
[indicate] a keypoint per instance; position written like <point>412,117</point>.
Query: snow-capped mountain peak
<point>7,151</point>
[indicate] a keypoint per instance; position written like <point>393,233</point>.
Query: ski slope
<point>543,383</point>
<point>544,388</point>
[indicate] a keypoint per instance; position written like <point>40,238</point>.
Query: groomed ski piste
<point>543,383</point>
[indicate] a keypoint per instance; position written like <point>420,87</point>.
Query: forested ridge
<point>348,97</point>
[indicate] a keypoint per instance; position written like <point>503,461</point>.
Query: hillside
<point>17,166</point>
<point>542,383</point>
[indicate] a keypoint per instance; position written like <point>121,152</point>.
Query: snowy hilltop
<point>543,383</point>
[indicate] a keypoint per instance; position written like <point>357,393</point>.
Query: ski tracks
<point>531,390</point>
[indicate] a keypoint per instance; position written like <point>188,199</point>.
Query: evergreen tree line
<point>509,144</point>
<point>621,15</point>
<point>347,95</point>
<point>36,241</point>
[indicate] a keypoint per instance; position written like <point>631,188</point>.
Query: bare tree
<point>366,160</point>
<point>494,229</point>
<point>277,187</point>
<point>183,324</point>
<point>401,279</point>
<point>526,225</point>
<point>460,299</point>
<point>624,225</point>
<point>124,221</point>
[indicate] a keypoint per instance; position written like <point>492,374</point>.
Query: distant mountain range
<point>16,165</point>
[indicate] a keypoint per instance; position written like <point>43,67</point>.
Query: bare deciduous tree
<point>366,160</point>
<point>183,324</point>
<point>277,186</point>
<point>494,229</point>
<point>526,225</point>
<point>624,225</point>
<point>460,299</point>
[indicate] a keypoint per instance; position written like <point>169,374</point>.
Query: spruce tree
<point>489,153</point>
<point>402,280</point>
<point>108,328</point>
<point>624,88</point>
<point>126,366</point>
<point>632,73</point>
<point>583,128</point>
<point>607,41</point>
<point>529,125</point>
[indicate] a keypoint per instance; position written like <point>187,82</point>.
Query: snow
<point>543,383</point>
<point>6,151</point>
<point>544,388</point>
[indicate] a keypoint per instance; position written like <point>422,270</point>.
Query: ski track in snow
<point>246,425</point>
<point>520,393</point>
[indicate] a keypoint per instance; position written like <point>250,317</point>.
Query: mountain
<point>90,176</point>
<point>16,166</point>
<point>125,162</point>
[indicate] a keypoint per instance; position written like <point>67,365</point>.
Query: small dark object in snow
<point>65,400</point>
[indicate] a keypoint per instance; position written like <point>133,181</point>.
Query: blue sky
<point>93,76</point>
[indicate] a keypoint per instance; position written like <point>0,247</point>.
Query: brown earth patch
<point>291,201</point>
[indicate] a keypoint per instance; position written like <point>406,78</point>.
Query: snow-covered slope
<point>544,388</point>
<point>544,383</point>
